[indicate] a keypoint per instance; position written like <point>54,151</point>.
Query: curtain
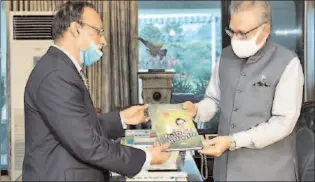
<point>43,5</point>
<point>113,79</point>
<point>119,63</point>
<point>31,5</point>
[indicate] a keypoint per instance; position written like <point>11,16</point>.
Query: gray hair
<point>264,6</point>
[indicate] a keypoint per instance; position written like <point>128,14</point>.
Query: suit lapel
<point>64,57</point>
<point>67,60</point>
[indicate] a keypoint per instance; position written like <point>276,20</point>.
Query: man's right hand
<point>191,108</point>
<point>159,156</point>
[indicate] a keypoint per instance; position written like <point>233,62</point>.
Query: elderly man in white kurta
<point>257,86</point>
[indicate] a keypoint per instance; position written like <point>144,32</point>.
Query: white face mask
<point>246,48</point>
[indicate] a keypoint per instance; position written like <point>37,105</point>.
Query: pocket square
<point>262,82</point>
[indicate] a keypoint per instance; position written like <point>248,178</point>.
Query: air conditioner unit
<point>29,39</point>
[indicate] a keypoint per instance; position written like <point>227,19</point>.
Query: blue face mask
<point>91,55</point>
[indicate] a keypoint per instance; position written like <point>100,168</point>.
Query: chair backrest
<point>307,116</point>
<point>305,153</point>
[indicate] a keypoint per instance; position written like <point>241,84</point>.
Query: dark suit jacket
<point>64,138</point>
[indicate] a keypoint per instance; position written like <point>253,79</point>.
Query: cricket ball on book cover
<point>172,124</point>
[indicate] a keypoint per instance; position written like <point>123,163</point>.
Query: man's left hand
<point>216,146</point>
<point>135,115</point>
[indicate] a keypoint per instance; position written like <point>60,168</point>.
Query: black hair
<point>178,119</point>
<point>66,14</point>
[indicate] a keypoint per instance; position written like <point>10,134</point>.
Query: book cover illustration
<point>173,125</point>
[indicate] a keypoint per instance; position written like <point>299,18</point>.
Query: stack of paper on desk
<point>138,138</point>
<point>173,163</point>
<point>143,139</point>
<point>139,133</point>
<point>169,171</point>
<point>159,176</point>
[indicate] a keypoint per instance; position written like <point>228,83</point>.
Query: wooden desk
<point>189,166</point>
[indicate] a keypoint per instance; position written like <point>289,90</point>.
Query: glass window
<point>309,68</point>
<point>2,87</point>
<point>181,35</point>
<point>185,39</point>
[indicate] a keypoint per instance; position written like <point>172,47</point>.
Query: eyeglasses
<point>100,32</point>
<point>242,35</point>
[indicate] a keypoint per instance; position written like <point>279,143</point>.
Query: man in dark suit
<point>65,140</point>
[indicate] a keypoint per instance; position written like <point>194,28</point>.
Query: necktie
<point>85,80</point>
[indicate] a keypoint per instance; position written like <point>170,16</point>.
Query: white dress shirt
<point>147,163</point>
<point>285,111</point>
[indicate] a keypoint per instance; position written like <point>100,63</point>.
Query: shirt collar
<point>77,65</point>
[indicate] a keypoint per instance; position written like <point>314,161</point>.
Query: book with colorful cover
<point>173,125</point>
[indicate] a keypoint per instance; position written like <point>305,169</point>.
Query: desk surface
<point>189,166</point>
